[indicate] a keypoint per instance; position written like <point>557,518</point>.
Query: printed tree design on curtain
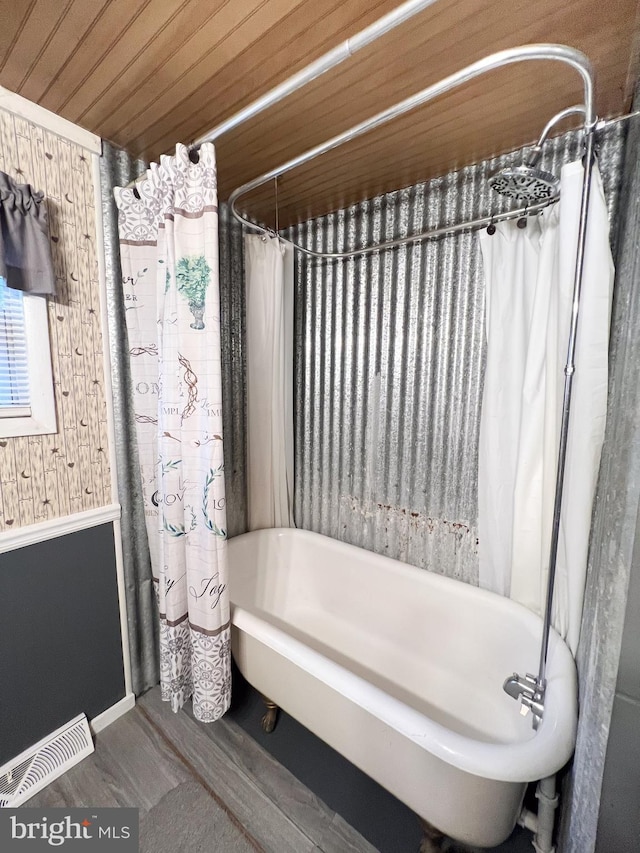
<point>192,278</point>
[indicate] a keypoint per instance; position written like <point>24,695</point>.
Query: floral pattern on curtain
<point>169,248</point>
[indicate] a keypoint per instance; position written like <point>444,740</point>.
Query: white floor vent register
<point>40,764</point>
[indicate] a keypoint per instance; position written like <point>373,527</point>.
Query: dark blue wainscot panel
<point>60,644</point>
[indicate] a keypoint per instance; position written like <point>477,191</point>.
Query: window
<point>14,373</point>
<point>27,405</point>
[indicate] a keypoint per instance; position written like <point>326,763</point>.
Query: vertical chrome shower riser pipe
<point>566,404</point>
<point>530,689</point>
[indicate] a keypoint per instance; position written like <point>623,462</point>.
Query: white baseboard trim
<point>112,714</point>
<point>33,533</point>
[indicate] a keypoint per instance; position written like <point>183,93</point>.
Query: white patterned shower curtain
<point>169,248</point>
<point>529,276</point>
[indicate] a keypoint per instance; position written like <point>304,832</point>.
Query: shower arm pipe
<point>558,52</point>
<point>536,151</point>
<point>577,109</point>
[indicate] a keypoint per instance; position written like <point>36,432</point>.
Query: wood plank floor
<point>148,753</point>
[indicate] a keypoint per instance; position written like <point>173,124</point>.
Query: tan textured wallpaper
<point>43,477</point>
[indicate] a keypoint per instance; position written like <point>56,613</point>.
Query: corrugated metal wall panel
<point>232,337</point>
<point>389,367</point>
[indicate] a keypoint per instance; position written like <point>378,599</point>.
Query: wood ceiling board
<point>633,73</point>
<point>424,144</point>
<point>178,60</point>
<point>490,136</point>
<point>83,63</point>
<point>142,31</point>
<point>214,44</point>
<point>150,73</point>
<point>344,100</point>
<point>44,19</point>
<point>467,109</point>
<point>39,25</point>
<point>307,33</point>
<point>339,85</point>
<point>14,18</point>
<point>33,77</point>
<point>324,110</point>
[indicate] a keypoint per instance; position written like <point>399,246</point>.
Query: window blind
<point>14,373</point>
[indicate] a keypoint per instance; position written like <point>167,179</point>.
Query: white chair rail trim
<point>32,533</point>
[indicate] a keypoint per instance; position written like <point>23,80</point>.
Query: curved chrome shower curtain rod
<point>558,52</point>
<point>529,689</point>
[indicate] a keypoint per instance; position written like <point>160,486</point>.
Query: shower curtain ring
<point>522,222</point>
<point>491,228</point>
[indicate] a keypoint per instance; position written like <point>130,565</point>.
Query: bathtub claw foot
<point>270,718</point>
<point>432,838</point>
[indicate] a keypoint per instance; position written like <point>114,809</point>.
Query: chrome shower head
<point>526,184</point>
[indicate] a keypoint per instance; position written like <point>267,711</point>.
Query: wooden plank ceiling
<point>147,74</point>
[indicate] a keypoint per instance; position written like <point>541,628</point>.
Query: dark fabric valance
<point>25,251</point>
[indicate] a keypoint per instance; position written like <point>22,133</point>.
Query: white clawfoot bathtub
<point>401,671</point>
